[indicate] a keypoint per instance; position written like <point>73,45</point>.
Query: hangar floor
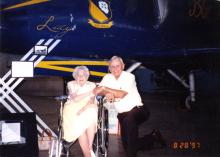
<point>187,133</point>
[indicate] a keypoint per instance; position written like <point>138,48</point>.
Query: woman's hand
<point>89,104</point>
<point>81,110</point>
<point>72,96</point>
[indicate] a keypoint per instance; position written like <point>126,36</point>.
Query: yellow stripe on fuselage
<point>55,65</point>
<point>31,2</point>
<point>103,63</point>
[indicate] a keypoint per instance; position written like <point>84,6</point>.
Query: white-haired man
<point>120,86</point>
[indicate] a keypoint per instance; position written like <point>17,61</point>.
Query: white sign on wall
<point>22,69</point>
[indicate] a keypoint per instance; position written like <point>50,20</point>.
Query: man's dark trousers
<point>129,122</point>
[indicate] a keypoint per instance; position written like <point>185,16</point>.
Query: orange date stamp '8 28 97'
<point>186,145</point>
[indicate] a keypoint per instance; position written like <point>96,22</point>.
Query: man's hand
<point>98,90</point>
<point>110,97</point>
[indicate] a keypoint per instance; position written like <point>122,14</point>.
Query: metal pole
<point>183,82</point>
<point>192,86</point>
<point>133,67</point>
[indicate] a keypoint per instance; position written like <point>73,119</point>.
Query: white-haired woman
<point>80,111</point>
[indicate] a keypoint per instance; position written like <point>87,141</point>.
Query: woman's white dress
<point>74,125</point>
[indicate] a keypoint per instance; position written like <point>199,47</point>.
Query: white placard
<point>40,50</point>
<point>11,132</point>
<point>22,69</point>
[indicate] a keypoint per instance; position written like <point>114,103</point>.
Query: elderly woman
<point>80,111</point>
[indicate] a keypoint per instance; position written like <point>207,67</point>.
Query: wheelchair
<point>100,144</point>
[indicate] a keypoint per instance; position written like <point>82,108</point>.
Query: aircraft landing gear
<point>190,99</point>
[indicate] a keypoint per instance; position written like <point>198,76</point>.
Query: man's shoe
<point>146,142</point>
<point>158,139</point>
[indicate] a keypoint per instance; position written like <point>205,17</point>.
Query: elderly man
<point>120,87</point>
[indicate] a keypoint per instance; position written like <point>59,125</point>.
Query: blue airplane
<point>102,28</point>
<point>163,35</point>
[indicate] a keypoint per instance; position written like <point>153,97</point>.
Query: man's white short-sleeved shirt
<point>125,82</point>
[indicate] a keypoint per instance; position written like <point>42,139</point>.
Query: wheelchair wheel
<point>104,130</point>
<point>101,138</point>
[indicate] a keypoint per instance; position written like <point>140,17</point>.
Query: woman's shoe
<point>92,153</point>
<point>66,147</point>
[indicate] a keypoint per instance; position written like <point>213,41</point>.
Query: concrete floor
<point>180,128</point>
